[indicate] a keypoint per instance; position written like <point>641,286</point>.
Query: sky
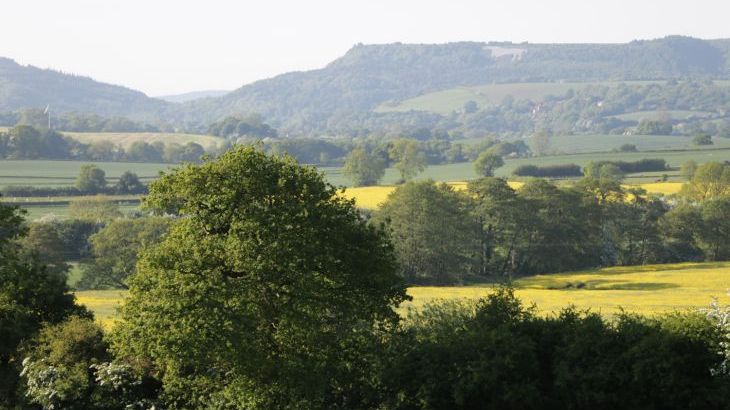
<point>165,47</point>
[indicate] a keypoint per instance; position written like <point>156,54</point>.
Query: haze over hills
<point>193,95</point>
<point>346,93</point>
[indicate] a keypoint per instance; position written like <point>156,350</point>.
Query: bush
<point>498,354</point>
<point>549,171</point>
<point>642,165</point>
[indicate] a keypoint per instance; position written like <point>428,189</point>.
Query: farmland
<point>649,289</point>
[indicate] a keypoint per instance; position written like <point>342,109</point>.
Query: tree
<point>409,159</point>
<point>688,169</point>
<point>30,295</point>
<point>98,209</point>
<point>487,162</point>
<point>91,179</point>
<point>45,241</point>
<point>129,184</point>
<point>702,139</point>
<point>432,230</point>
<point>115,249</point>
<point>628,148</point>
<point>262,291</point>
<point>363,167</point>
<point>540,143</point>
<point>470,107</point>
<point>711,180</point>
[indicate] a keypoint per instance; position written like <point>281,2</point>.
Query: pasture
<point>649,289</point>
<point>125,139</point>
<point>453,99</point>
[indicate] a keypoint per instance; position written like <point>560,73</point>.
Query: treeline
<point>26,142</point>
<point>444,236</point>
<point>237,127</point>
<point>259,295</point>
<point>573,170</point>
<point>77,122</point>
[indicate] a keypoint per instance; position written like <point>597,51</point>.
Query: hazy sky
<point>166,46</point>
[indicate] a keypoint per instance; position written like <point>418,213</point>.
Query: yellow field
<point>370,197</point>
<point>646,289</point>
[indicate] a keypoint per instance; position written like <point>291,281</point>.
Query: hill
<point>376,88</point>
<point>370,75</point>
<point>33,87</point>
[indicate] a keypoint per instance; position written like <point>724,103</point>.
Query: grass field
<point>64,173</point>
<point>446,101</point>
<point>125,139</point>
<point>656,115</point>
<point>649,289</point>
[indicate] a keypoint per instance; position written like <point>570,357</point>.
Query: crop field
<point>453,99</point>
<point>577,144</point>
<point>649,289</point>
<point>125,139</point>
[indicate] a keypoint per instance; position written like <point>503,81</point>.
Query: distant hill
<point>193,95</point>
<point>372,86</point>
<point>369,75</point>
<point>31,87</point>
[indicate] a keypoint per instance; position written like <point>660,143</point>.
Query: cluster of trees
<point>445,236</point>
<point>26,142</point>
<point>236,127</point>
<point>282,295</point>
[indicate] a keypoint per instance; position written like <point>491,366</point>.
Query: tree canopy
<point>261,287</point>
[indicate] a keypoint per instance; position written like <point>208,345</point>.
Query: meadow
<point>649,289</point>
<point>453,99</point>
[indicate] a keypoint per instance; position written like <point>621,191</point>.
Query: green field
<point>657,115</point>
<point>446,101</point>
<point>648,289</point>
<point>125,139</point>
<point>60,173</point>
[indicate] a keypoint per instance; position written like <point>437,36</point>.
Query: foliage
<point>115,249</point>
<point>409,159</point>
<point>549,171</point>
<point>363,167</point>
<point>98,209</point>
<point>30,295</point>
<point>709,181</point>
<point>431,230</point>
<point>91,180</point>
<point>261,292</point>
<point>497,354</point>
<point>487,162</point>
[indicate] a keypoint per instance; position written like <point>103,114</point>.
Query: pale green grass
<point>35,212</point>
<point>446,101</point>
<point>656,115</point>
<point>63,173</point>
<point>649,289</point>
<point>125,139</point>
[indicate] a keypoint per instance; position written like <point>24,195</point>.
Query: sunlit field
<point>649,289</point>
<point>371,197</point>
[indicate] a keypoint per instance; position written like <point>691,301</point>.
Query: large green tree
<point>262,291</point>
<point>432,230</point>
<point>364,168</point>
<point>487,163</point>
